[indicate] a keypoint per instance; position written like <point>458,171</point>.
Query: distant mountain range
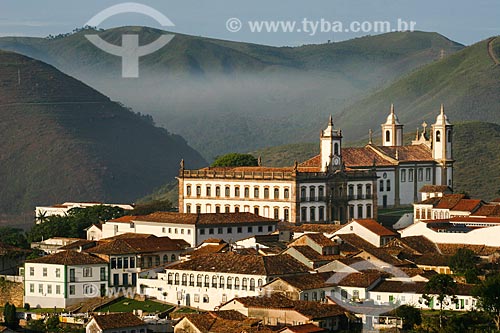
<point>62,140</point>
<point>224,96</point>
<point>467,82</point>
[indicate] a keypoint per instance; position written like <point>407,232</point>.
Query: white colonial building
<point>193,228</point>
<point>206,282</point>
<point>321,189</point>
<point>63,279</point>
<point>337,185</point>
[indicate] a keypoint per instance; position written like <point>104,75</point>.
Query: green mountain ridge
<point>64,141</point>
<point>467,82</point>
<point>476,150</point>
<point>221,94</point>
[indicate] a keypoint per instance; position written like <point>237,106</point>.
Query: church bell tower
<point>392,130</point>
<point>330,147</point>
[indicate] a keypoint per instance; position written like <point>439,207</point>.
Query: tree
<point>411,316</point>
<point>444,288</point>
<point>235,160</point>
<point>488,297</point>
<point>13,236</point>
<point>74,223</point>
<point>151,207</point>
<point>52,323</point>
<point>10,316</point>
<point>463,260</point>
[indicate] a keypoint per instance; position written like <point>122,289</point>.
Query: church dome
<point>442,118</point>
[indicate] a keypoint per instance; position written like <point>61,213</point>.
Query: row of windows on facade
<point>148,261</point>
<point>237,192</point>
<point>363,211</point>
<point>239,230</point>
<point>236,209</point>
<point>86,272</point>
<point>216,282</point>
<point>88,289</point>
<point>420,175</point>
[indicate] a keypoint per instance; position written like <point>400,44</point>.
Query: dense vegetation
<point>235,160</point>
<point>467,82</point>
<point>223,95</point>
<point>64,141</point>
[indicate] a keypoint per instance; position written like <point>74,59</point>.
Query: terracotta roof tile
<point>198,219</point>
<point>305,328</point>
<point>311,310</point>
<point>449,201</point>
<point>208,249</point>
<point>307,281</point>
<point>69,258</point>
<point>434,189</point>
<point>375,227</point>
<point>230,262</point>
<point>467,205</point>
<point>139,245</point>
<point>118,320</point>
<point>480,250</point>
<point>488,210</point>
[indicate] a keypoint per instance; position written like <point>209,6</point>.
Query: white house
<point>124,322</point>
<point>206,282</point>
<point>458,230</point>
<point>317,190</point>
<point>193,228</point>
<point>128,255</point>
<point>370,230</point>
<point>445,207</point>
<point>411,293</point>
<point>64,278</point>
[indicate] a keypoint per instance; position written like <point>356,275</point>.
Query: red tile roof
<point>375,227</point>
<point>69,258</point>
<point>311,310</point>
<point>118,320</point>
<point>305,328</point>
<point>434,189</point>
<point>449,201</point>
<point>198,219</point>
<point>230,262</point>
<point>467,205</point>
<point>139,245</point>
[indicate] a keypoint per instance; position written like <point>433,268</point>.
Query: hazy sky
<point>465,21</point>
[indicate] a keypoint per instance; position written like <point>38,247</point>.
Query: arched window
<point>214,281</point>
<point>256,192</point>
<point>227,191</point>
<point>229,282</point>
<point>207,281</point>
<point>172,257</point>
<point>286,193</point>
<point>170,278</point>
<point>449,136</point>
<point>276,193</point>
<point>176,279</point>
<point>336,149</point>
<point>244,284</point>
<point>221,282</point>
<point>184,279</point>
<point>199,280</point>
<point>236,283</point>
<point>387,136</point>
<point>191,280</point>
<point>165,258</point>
<point>438,136</point>
<point>260,283</point>
<point>252,284</point>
